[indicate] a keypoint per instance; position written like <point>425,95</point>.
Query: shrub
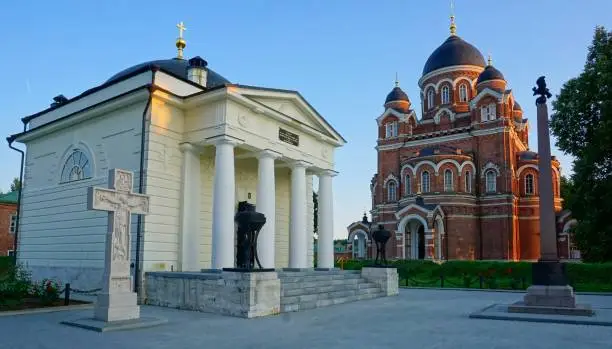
<point>48,291</point>
<point>496,274</point>
<point>15,284</point>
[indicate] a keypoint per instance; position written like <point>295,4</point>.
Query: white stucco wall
<point>161,239</point>
<point>58,237</point>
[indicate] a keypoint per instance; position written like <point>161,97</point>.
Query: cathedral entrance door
<point>421,242</point>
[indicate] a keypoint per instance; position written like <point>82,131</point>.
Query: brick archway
<point>417,236</point>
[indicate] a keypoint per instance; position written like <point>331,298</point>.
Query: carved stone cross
<point>120,202</point>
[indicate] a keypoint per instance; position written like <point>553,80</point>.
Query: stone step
<point>328,302</point>
<point>314,297</point>
<point>319,283</point>
<point>317,272</point>
<point>312,278</point>
<point>292,290</point>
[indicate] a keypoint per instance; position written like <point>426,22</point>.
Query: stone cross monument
<point>117,307</point>
<point>117,300</point>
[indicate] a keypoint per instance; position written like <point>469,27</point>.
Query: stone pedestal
<point>384,277</point>
<point>550,296</point>
<point>256,293</point>
<point>116,306</point>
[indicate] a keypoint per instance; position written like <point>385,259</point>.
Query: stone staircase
<point>301,290</point>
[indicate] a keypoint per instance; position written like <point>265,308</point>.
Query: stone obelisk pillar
<point>549,281</point>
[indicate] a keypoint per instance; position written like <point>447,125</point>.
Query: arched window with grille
<point>491,181</point>
<point>445,95</point>
<point>407,185</point>
<point>425,182</point>
<point>448,180</point>
<point>468,182</point>
<point>391,191</point>
<point>430,99</point>
<point>463,93</point>
<point>529,188</point>
<point>76,167</point>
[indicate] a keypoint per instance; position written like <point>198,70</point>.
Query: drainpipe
<point>141,183</point>
<point>10,141</point>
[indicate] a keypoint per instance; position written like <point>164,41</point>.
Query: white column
<point>325,253</point>
<point>266,204</point>
<point>298,250</point>
<point>190,209</point>
<point>224,196</point>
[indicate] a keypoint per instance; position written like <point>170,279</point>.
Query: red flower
<point>509,271</point>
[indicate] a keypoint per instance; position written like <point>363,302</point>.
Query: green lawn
<point>584,277</point>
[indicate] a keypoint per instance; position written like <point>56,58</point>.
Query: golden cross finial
<point>180,42</point>
<point>396,80</point>
<point>453,27</point>
<point>181,27</point>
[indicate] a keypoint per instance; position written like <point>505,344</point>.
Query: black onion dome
<point>174,66</point>
<point>490,73</point>
<point>397,94</point>
<point>453,51</point>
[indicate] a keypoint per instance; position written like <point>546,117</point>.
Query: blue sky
<point>342,55</point>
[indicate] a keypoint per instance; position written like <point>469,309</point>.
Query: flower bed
<point>584,277</point>
<point>18,291</point>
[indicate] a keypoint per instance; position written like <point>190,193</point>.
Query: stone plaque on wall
<point>288,137</point>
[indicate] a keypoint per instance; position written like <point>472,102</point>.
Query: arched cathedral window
<point>448,180</point>
<point>445,95</point>
<point>430,98</point>
<point>77,167</point>
<point>529,189</point>
<point>468,182</point>
<point>407,185</point>
<point>391,191</point>
<point>490,181</point>
<point>425,182</point>
<point>463,93</point>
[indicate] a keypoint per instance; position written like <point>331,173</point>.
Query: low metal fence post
<point>67,294</point>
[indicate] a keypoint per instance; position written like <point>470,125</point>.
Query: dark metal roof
<point>438,150</point>
<point>517,106</point>
<point>490,73</point>
<point>453,51</point>
<point>175,66</point>
<point>528,155</point>
<point>397,94</point>
<point>421,202</point>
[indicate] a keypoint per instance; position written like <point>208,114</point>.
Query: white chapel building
<point>202,144</point>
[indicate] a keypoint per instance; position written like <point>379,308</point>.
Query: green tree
<point>582,124</point>
<point>15,185</point>
<point>567,191</point>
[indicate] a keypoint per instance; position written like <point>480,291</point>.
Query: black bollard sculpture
<point>249,224</point>
<point>381,236</point>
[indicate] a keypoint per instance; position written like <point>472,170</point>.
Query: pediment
<point>293,106</point>
<point>486,92</point>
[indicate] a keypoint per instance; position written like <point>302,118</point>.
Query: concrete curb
<point>496,290</point>
<point>46,310</point>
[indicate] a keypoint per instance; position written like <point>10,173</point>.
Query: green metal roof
<point>9,198</point>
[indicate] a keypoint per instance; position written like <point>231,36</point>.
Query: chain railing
<point>68,290</point>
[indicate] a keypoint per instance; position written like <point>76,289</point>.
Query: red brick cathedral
<point>460,182</point>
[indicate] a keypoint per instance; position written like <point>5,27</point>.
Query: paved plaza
<point>415,319</point>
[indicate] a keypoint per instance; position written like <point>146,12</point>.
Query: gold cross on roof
<point>181,27</point>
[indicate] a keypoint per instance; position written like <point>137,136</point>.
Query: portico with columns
<point>271,146</point>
